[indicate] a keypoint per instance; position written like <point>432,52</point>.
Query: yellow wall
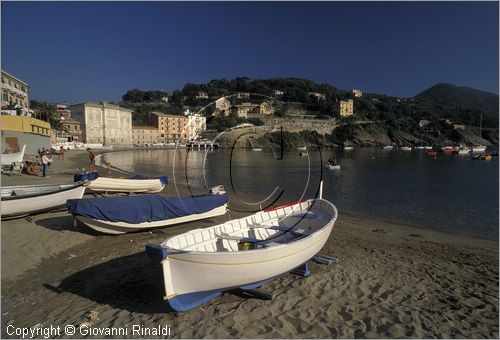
<point>24,124</point>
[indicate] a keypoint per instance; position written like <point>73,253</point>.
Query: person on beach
<point>45,164</point>
<point>92,160</point>
<point>48,152</point>
<point>61,153</point>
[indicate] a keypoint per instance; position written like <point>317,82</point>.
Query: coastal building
<point>63,111</point>
<point>18,130</point>
<point>145,135</point>
<point>196,125</point>
<point>171,127</point>
<point>423,123</point>
<point>346,108</point>
<point>70,130</point>
<point>243,109</point>
<point>104,123</point>
<point>15,92</point>
<point>357,93</point>
<point>262,109</point>
<point>222,106</point>
<point>318,96</point>
<point>201,95</point>
<point>243,95</point>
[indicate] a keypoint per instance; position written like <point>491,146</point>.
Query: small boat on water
<point>427,147</point>
<point>482,157</point>
<point>419,147</point>
<point>347,148</point>
<point>388,147</point>
<point>9,158</point>
<point>462,150</point>
<point>478,148</point>
<point>135,184</point>
<point>448,149</point>
<point>405,148</point>
<point>201,264</point>
<point>125,214</point>
<point>333,166</point>
<point>23,200</point>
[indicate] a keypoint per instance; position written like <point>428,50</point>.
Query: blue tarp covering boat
<point>143,208</point>
<point>90,176</point>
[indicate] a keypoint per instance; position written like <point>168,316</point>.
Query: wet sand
<point>390,280</point>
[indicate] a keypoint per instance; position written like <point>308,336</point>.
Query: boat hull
<point>108,227</point>
<point>478,149</point>
<point>23,206</point>
<point>9,158</point>
<point>109,184</point>
<point>333,167</point>
<point>193,277</point>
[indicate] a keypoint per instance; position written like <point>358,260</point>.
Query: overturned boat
<point>9,158</point>
<point>119,215</point>
<point>23,200</point>
<point>136,184</point>
<point>244,253</point>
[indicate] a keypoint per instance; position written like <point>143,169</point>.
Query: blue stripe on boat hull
<point>185,302</point>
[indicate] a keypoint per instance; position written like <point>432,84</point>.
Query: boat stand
<point>324,259</point>
<point>302,270</point>
<point>257,294</point>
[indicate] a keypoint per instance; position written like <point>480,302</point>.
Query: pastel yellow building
<point>346,108</point>
<point>14,91</point>
<point>19,130</point>
<point>145,135</point>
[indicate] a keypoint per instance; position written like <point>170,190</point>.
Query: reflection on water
<point>449,193</point>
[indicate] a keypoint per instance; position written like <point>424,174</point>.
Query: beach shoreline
<point>391,280</point>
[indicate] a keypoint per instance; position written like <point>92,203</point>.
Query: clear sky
<point>81,51</point>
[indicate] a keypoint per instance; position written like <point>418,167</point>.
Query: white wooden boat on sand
<point>244,253</point>
<point>135,184</point>
<point>23,200</point>
<point>125,214</point>
<point>9,158</point>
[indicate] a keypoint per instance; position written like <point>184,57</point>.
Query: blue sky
<point>81,51</point>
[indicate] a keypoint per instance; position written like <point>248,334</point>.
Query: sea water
<point>449,193</point>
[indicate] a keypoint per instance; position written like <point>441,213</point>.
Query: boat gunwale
<point>17,197</point>
<point>176,251</point>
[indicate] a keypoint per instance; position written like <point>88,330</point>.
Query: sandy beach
<point>391,280</point>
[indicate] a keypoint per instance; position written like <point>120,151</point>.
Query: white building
<point>222,105</point>
<point>104,123</point>
<point>357,93</point>
<point>196,125</point>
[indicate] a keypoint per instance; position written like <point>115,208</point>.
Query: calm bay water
<point>449,193</point>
